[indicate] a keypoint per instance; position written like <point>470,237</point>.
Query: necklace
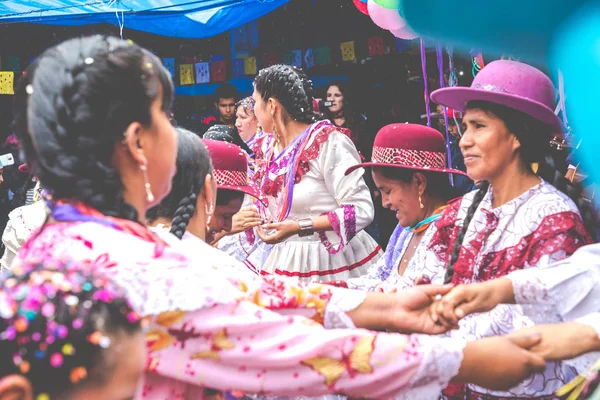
<point>423,225</point>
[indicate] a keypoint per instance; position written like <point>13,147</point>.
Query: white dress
<point>321,188</point>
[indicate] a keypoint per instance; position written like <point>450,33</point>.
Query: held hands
<point>468,299</point>
<point>500,362</point>
<point>245,219</point>
<point>562,341</point>
<point>415,303</point>
<point>281,231</point>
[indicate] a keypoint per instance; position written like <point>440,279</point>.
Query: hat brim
<point>247,190</point>
<point>457,97</point>
<point>374,164</point>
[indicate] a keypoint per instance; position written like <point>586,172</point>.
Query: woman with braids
<point>517,219</point>
<point>66,332</point>
<point>319,213</point>
<point>92,116</point>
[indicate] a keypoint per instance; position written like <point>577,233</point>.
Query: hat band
<point>409,158</point>
<point>490,88</point>
<point>231,178</point>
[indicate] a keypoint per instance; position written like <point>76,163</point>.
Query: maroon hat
<point>511,84</point>
<point>409,146</point>
<point>230,168</point>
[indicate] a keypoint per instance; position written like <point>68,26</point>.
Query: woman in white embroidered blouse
<point>319,212</point>
<point>516,220</point>
<point>409,169</point>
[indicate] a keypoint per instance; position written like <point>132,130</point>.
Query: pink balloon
<point>385,18</point>
<point>404,33</point>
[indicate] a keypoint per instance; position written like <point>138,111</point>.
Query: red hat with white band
<point>409,146</point>
<point>230,168</point>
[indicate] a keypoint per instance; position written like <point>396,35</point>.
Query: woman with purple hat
<point>517,219</point>
<point>409,169</point>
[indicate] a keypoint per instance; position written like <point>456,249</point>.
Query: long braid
<point>483,189</point>
<point>185,211</point>
<point>193,165</point>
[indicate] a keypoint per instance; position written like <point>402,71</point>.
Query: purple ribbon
<point>70,213</point>
<point>425,83</point>
<point>440,65</point>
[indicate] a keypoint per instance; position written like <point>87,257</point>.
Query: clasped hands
<point>557,341</point>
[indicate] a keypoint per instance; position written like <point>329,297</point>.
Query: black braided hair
<point>292,88</point>
<point>193,164</point>
<point>74,106</point>
<point>534,137</point>
<point>53,347</point>
<point>481,192</point>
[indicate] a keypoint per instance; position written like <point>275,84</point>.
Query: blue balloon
<point>576,52</point>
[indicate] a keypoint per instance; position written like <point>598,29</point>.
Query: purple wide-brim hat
<point>511,84</point>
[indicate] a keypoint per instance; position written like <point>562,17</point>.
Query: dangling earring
<point>209,213</point>
<point>149,195</point>
<point>277,138</point>
<point>421,203</point>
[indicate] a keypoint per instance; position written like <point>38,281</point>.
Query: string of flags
<point>192,71</point>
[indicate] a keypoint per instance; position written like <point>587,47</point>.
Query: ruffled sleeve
<point>569,288</point>
<point>266,333</point>
<point>355,211</point>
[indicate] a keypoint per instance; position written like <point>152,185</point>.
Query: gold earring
<point>421,203</point>
<point>149,194</point>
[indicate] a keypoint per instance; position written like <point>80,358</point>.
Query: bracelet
<point>306,227</point>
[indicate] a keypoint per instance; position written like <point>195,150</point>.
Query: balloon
<point>385,18</point>
<point>389,4</point>
<point>575,52</point>
<point>361,6</point>
<point>404,33</point>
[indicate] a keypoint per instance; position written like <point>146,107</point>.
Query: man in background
<point>225,99</point>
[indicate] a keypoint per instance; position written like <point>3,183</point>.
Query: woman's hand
<point>407,311</point>
<point>468,299</point>
<point>245,219</point>
<point>563,341</point>
<point>500,362</point>
<point>283,230</point>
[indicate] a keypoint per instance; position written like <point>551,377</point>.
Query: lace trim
<point>528,289</point>
<point>349,225</point>
<point>340,303</point>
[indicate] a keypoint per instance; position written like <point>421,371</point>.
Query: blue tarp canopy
<point>191,19</point>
